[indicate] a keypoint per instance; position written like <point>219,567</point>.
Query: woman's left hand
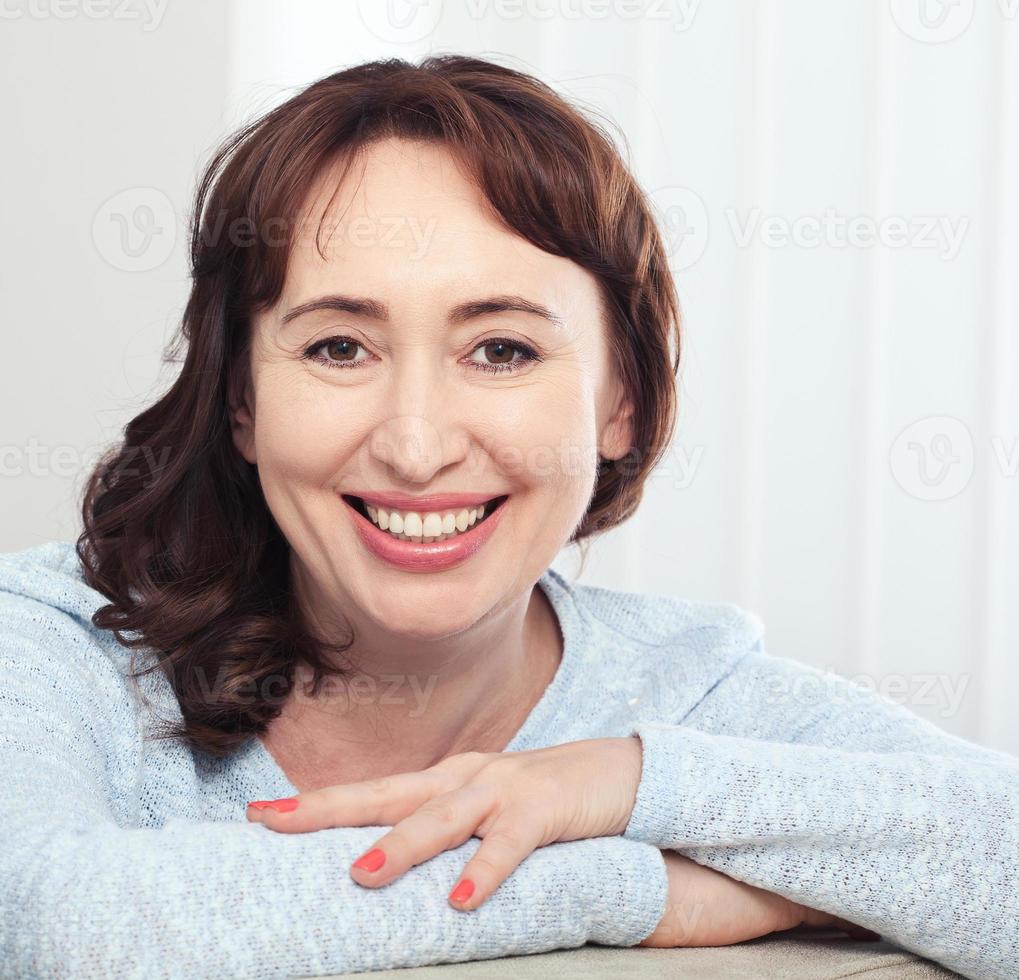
<point>514,801</point>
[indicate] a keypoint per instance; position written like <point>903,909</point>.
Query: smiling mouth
<point>442,525</point>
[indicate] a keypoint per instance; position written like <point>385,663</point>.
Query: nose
<point>422,437</point>
<point>411,446</point>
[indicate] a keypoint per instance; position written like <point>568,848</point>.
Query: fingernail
<point>285,805</point>
<point>463,891</point>
<point>372,860</point>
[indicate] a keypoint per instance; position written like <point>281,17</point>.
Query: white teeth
<point>431,526</point>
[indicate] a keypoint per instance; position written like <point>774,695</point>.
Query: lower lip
<point>433,557</point>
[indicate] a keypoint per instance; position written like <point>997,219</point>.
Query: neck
<point>404,704</point>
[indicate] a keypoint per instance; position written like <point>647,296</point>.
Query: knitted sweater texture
<point>129,856</point>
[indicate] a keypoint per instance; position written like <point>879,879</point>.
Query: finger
<point>466,765</point>
<point>828,920</point>
<point>501,851</point>
<point>374,802</point>
<point>441,823</point>
<point>857,932</point>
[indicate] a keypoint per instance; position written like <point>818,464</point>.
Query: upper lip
<point>434,502</point>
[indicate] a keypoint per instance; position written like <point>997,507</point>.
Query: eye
<point>501,354</point>
<point>336,352</point>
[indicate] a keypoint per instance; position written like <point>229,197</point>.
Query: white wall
<point>102,123</point>
<point>805,482</point>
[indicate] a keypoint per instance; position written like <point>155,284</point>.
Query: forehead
<point>407,221</point>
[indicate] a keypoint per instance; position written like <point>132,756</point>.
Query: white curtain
<point>838,185</point>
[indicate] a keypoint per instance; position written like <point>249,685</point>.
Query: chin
<point>427,625</point>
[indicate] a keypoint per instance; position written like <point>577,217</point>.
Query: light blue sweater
<point>127,857</point>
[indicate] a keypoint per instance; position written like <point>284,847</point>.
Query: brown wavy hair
<point>177,533</point>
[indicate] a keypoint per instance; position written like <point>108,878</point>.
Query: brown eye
<point>498,352</point>
<point>338,352</point>
<point>502,355</point>
<point>342,350</point>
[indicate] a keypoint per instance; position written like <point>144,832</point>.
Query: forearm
<point>87,892</point>
<point>226,900</point>
<point>920,848</point>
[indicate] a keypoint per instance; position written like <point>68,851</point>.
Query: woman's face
<point>431,385</point>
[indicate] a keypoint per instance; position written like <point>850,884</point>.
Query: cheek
<point>549,440</point>
<point>302,433</point>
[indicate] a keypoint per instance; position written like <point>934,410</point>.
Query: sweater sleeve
<point>87,894</point>
<point>808,785</point>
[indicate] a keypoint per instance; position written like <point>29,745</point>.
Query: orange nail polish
<point>372,860</point>
<point>463,891</point>
<point>285,805</point>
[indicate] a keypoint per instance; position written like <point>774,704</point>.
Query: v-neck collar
<point>548,716</point>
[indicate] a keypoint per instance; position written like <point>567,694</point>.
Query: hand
<point>515,801</point>
<point>708,908</point>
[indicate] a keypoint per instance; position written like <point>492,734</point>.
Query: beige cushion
<point>799,954</point>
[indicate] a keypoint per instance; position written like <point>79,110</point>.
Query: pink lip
<point>434,557</point>
<point>441,501</point>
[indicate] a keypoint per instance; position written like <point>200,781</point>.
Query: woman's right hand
<point>708,908</point>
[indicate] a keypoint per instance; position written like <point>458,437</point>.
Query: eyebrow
<point>373,310</point>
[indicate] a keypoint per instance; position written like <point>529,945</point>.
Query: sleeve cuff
<point>701,789</point>
<point>665,769</point>
<point>631,894</point>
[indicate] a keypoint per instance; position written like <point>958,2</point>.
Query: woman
<point>431,339</point>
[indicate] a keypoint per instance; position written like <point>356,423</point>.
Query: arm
<point>799,782</point>
<point>89,893</point>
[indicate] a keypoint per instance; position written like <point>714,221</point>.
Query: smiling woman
<point>477,365</point>
<point>378,442</point>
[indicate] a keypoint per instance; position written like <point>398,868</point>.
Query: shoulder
<point>48,575</point>
<point>66,694</point>
<point>663,653</point>
<point>655,619</point>
<point>46,632</point>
